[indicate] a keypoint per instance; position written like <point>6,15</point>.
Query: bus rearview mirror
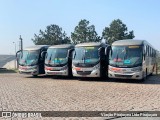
<point>69,54</point>
<point>99,51</point>
<point>18,55</point>
<point>43,54</point>
<point>106,51</point>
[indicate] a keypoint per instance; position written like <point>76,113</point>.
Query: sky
<point>27,17</point>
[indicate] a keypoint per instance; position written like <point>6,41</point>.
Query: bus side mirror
<point>100,51</point>
<point>69,54</point>
<point>43,54</point>
<point>73,54</point>
<point>107,50</point>
<point>18,55</point>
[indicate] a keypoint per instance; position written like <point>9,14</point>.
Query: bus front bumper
<point>93,73</point>
<point>57,70</point>
<point>63,73</point>
<point>33,70</point>
<point>135,75</point>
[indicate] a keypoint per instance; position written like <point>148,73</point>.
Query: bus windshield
<point>56,56</point>
<point>29,57</point>
<point>126,56</point>
<point>86,55</point>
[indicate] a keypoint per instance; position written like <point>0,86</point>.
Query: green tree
<point>84,33</point>
<point>117,31</point>
<point>53,35</point>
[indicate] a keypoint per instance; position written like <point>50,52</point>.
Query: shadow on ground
<point>52,77</point>
<point>4,70</point>
<point>154,79</point>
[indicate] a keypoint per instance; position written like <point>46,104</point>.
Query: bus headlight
<point>34,68</point>
<point>137,69</point>
<point>96,67</point>
<point>64,68</point>
<point>110,68</point>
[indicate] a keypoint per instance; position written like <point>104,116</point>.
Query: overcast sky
<point>26,17</point>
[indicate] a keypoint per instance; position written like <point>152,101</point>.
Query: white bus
<point>131,59</point>
<point>30,60</point>
<point>90,60</point>
<point>58,60</point>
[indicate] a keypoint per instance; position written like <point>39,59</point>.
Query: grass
<point>3,70</point>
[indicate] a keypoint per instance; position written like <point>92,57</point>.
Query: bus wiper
<point>136,61</point>
<point>33,62</point>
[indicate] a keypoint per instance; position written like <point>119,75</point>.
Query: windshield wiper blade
<point>136,61</point>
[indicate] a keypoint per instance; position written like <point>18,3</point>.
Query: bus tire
<point>145,76</point>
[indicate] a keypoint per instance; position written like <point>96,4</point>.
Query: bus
<point>131,59</point>
<point>58,60</point>
<point>90,60</point>
<point>31,61</point>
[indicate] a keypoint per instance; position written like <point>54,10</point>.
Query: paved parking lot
<point>24,93</point>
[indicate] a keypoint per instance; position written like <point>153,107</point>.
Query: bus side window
<point>154,55</point>
<point>147,50</point>
<point>144,52</point>
<point>150,51</point>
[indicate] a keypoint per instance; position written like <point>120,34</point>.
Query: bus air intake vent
<point>84,72</point>
<point>128,76</point>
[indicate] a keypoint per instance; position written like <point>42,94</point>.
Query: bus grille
<point>128,76</point>
<point>84,72</point>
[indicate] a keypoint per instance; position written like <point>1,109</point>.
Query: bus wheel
<point>144,76</point>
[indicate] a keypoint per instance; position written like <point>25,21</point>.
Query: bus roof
<point>131,42</point>
<point>36,47</point>
<point>128,42</point>
<point>62,46</point>
<point>90,44</point>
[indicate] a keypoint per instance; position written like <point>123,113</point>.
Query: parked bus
<point>31,61</point>
<point>90,60</point>
<point>58,60</point>
<point>131,59</point>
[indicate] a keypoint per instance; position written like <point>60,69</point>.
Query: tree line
<point>83,32</point>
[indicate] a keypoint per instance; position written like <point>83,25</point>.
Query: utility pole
<point>15,55</point>
<point>21,41</point>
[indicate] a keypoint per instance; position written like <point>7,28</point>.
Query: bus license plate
<point>56,73</point>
